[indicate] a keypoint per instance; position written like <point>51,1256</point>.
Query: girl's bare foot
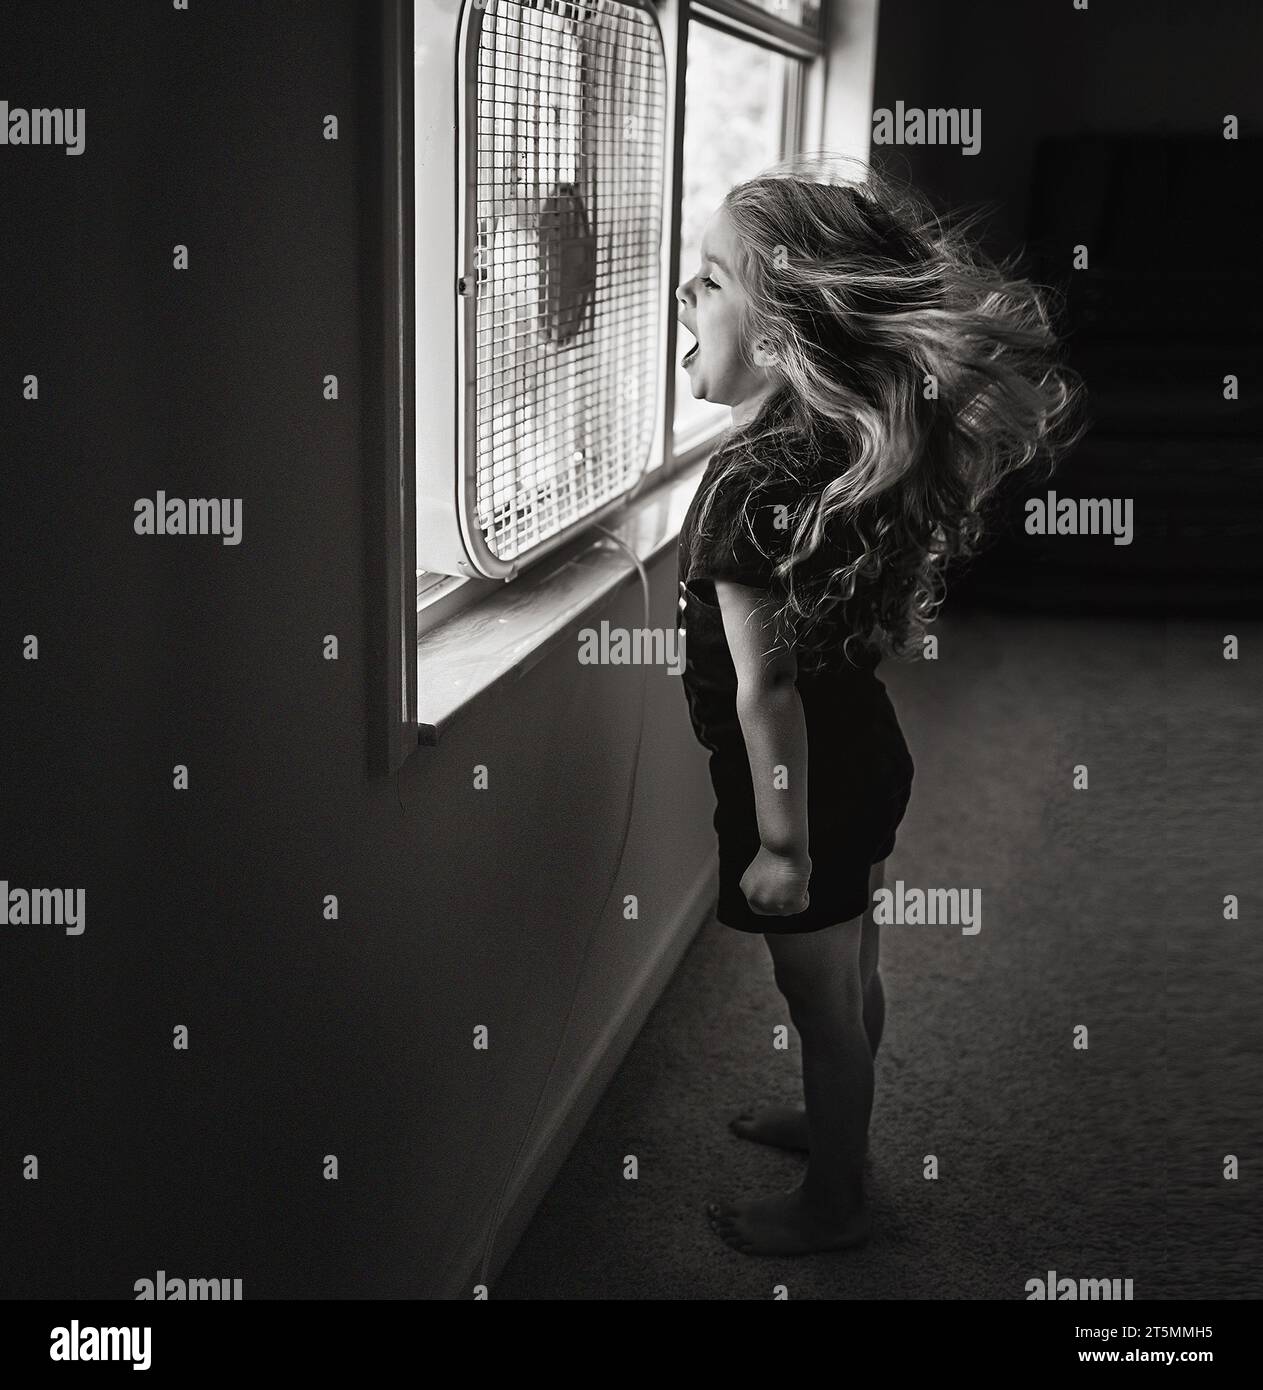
<point>785,1225</point>
<point>782,1126</point>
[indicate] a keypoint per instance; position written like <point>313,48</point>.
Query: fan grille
<point>568,150</point>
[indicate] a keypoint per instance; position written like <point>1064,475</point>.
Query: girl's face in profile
<point>711,305</point>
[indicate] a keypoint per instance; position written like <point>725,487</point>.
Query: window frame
<point>681,448</point>
<point>439,596</point>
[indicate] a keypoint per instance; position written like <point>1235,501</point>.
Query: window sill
<point>505,634</point>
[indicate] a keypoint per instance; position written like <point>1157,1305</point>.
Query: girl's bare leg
<point>785,1126</point>
<point>821,976</point>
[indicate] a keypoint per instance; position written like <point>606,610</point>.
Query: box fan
<point>539,303</point>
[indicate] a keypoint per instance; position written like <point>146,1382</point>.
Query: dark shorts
<point>858,787</point>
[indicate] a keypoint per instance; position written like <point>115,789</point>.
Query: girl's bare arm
<point>771,715</point>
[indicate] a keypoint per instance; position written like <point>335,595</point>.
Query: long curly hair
<point>916,374</point>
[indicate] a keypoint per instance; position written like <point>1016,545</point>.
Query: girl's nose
<point>682,293</point>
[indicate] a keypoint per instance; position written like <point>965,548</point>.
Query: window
<point>735,108</point>
<point>803,13</point>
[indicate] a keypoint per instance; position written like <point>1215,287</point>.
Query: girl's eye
<point>709,283</point>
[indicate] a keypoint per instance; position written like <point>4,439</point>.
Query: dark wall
<point>1045,68</point>
<point>1103,128</point>
<point>203,128</point>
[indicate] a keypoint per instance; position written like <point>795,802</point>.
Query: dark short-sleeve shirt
<point>753,535</point>
<point>748,554</point>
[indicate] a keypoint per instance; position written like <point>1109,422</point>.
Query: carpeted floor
<point>1101,907</point>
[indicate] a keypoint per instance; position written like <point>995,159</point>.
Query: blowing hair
<point>916,374</point>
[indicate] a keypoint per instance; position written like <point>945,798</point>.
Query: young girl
<point>884,376</point>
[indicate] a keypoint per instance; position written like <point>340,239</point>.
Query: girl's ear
<point>764,356</point>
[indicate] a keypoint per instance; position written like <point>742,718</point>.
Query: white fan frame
<point>449,539</point>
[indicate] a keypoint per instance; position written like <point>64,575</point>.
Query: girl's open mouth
<point>690,356</point>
